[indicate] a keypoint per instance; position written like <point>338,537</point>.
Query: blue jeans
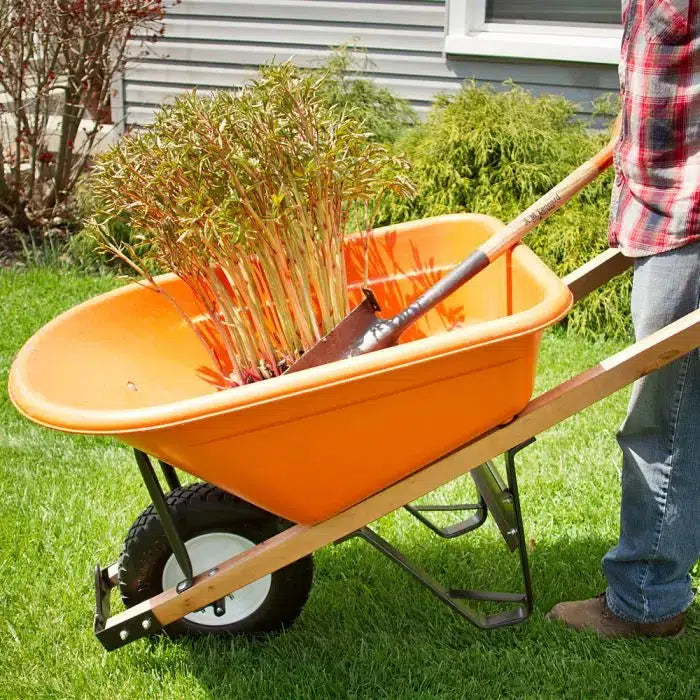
<point>648,570</point>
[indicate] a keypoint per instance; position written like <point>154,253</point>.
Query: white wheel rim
<point>206,551</point>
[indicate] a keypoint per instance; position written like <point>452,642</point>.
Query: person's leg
<point>647,571</point>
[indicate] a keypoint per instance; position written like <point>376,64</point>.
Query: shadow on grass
<point>370,630</point>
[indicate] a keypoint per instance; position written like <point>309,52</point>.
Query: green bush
<point>496,153</point>
<point>82,247</point>
<point>385,115</point>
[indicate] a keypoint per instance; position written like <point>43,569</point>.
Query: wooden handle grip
<point>546,205</point>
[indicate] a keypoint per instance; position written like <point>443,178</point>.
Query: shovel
<point>363,331</point>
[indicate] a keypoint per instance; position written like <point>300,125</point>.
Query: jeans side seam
<point>672,445</point>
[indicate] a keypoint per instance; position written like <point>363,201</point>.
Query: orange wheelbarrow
<point>279,477</point>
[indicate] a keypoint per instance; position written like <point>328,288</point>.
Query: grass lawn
<point>368,630</point>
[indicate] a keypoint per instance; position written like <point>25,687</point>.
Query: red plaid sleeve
<point>656,196</point>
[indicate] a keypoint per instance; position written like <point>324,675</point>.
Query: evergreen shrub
<point>496,152</point>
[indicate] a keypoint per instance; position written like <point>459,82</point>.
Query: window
<point>559,11</point>
<point>562,30</point>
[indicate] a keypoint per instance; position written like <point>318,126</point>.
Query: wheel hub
<point>206,552</point>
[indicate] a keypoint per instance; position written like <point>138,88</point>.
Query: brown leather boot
<point>594,614</point>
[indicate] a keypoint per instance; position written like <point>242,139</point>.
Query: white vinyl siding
<point>214,44</point>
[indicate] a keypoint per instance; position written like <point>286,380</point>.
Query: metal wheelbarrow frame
<point>498,498</point>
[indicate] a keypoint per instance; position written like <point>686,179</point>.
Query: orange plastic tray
<point>306,445</point>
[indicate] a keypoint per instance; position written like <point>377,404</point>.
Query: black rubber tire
<point>197,509</point>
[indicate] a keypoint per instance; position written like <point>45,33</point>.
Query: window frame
<point>469,34</point>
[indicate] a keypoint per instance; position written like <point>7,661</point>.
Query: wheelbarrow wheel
<point>214,526</point>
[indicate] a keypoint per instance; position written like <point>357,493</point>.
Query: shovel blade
<point>338,344</point>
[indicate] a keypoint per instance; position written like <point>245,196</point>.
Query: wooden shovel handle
<point>484,255</point>
<point>546,205</point>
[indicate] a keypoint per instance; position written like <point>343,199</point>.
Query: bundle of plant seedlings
<point>247,197</point>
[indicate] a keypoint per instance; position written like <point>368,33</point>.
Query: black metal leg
<point>102,591</point>
<point>453,598</point>
<point>457,529</point>
<point>160,504</point>
<point>170,475</point>
<point>499,501</point>
<point>494,498</point>
<point>503,502</point>
<point>522,545</point>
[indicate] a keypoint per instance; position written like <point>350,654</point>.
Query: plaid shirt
<point>656,196</point>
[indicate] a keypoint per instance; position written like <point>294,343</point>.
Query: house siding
<point>218,44</point>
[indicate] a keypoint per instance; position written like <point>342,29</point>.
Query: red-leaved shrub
<point>58,59</point>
